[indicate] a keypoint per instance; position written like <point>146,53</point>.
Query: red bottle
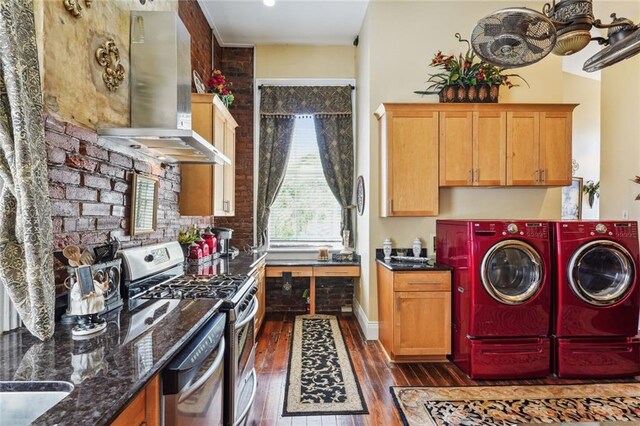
<point>211,240</point>
<point>203,246</point>
<point>195,252</point>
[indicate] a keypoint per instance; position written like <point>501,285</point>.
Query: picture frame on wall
<point>572,200</point>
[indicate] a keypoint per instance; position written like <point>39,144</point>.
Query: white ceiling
<point>250,22</point>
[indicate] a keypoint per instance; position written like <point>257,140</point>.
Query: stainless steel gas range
<point>157,272</point>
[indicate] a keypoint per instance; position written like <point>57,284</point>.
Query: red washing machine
<point>501,295</point>
<point>597,300</point>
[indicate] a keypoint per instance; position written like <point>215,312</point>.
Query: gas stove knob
<point>512,228</point>
<point>148,258</point>
<point>243,306</point>
<point>601,228</point>
<point>253,290</point>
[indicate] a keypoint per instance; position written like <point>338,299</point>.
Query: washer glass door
<point>512,272</point>
<point>601,272</point>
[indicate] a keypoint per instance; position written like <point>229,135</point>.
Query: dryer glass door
<point>601,272</point>
<point>512,272</point>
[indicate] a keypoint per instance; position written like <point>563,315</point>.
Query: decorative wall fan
<point>516,37</point>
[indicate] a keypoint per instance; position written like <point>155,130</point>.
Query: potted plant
<point>463,79</point>
<point>592,189</point>
<point>185,238</point>
<point>218,84</point>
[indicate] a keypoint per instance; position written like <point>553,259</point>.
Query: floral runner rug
<point>320,378</point>
<point>508,405</point>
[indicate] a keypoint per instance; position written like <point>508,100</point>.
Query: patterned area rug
<point>321,379</point>
<point>506,405</point>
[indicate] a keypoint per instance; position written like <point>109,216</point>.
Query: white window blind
<point>305,211</point>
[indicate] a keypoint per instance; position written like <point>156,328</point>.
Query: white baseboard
<point>369,328</point>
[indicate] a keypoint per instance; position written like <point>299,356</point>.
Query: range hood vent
<point>160,93</point>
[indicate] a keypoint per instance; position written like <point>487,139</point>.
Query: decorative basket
<point>481,93</point>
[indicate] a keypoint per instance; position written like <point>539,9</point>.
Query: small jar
<point>204,247</point>
<point>211,240</point>
<point>386,248</point>
<point>417,247</point>
<point>195,252</point>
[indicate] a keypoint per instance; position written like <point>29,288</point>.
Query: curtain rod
<point>262,85</point>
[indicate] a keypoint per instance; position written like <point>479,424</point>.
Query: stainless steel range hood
<point>160,92</point>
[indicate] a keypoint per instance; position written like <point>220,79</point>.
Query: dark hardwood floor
<point>374,372</point>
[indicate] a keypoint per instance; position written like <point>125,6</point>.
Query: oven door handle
<point>252,315</point>
<point>187,392</point>
<point>245,413</point>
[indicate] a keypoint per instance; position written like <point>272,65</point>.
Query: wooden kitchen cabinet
<point>539,146</point>
<point>261,278</point>
<point>414,314</point>
<point>210,189</point>
<point>144,409</point>
<point>408,160</point>
<point>473,148</point>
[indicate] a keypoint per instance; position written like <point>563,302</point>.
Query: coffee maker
<point>224,240</point>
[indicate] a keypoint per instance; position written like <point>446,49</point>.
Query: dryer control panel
<point>600,229</point>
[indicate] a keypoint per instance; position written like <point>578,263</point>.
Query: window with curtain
<point>305,211</point>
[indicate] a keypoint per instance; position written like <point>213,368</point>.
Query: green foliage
<point>592,190</point>
<point>188,236</point>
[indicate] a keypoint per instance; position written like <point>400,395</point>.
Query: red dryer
<point>597,300</point>
<point>501,296</point>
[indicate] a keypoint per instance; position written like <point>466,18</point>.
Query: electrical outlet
<point>625,214</point>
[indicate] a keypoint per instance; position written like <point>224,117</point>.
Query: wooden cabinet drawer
<point>336,271</point>
<point>296,271</point>
<point>422,281</point>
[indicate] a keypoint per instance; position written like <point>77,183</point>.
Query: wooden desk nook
<point>313,270</point>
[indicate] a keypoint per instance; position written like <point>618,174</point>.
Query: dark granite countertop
<point>110,368</point>
<point>309,262</point>
<point>413,266</point>
<point>107,370</point>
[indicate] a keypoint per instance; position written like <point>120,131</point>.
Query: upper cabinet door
<point>489,148</point>
<point>555,148</point>
<point>409,160</point>
<point>456,149</point>
<point>523,148</point>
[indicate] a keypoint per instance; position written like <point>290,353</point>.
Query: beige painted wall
<point>586,131</point>
<point>298,61</point>
<point>72,79</point>
<point>620,154</point>
<point>402,37</point>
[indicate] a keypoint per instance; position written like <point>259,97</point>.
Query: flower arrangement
<point>465,71</point>
<point>218,84</point>
<point>592,189</point>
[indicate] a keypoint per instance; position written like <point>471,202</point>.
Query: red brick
<point>62,208</point>
<point>86,224</point>
<point>79,193</point>
<point>60,241</point>
<point>111,197</point>
<point>118,211</point>
<point>120,186</point>
<point>98,182</point>
<point>76,161</point>
<point>81,133</point>
<point>116,172</point>
<point>52,123</point>
<point>89,209</point>
<point>56,191</point>
<point>56,224</point>
<point>110,223</point>
<point>94,151</point>
<point>70,224</point>
<point>65,142</point>
<point>94,238</point>
<point>63,175</point>
<point>56,155</point>
<point>120,160</point>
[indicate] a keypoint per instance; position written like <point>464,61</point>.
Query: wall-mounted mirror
<point>144,204</point>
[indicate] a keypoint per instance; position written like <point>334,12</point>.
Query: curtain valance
<point>294,100</point>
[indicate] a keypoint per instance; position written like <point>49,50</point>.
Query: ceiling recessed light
<point>269,2</point>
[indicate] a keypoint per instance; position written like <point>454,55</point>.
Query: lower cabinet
<point>414,314</point>
<point>144,409</point>
<point>261,295</point>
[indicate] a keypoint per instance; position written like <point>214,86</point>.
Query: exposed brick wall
<point>237,65</point>
<point>201,37</point>
<point>331,294</point>
<point>90,190</point>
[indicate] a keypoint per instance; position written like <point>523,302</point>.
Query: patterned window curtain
<point>276,134</point>
<point>331,107</point>
<point>26,255</point>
